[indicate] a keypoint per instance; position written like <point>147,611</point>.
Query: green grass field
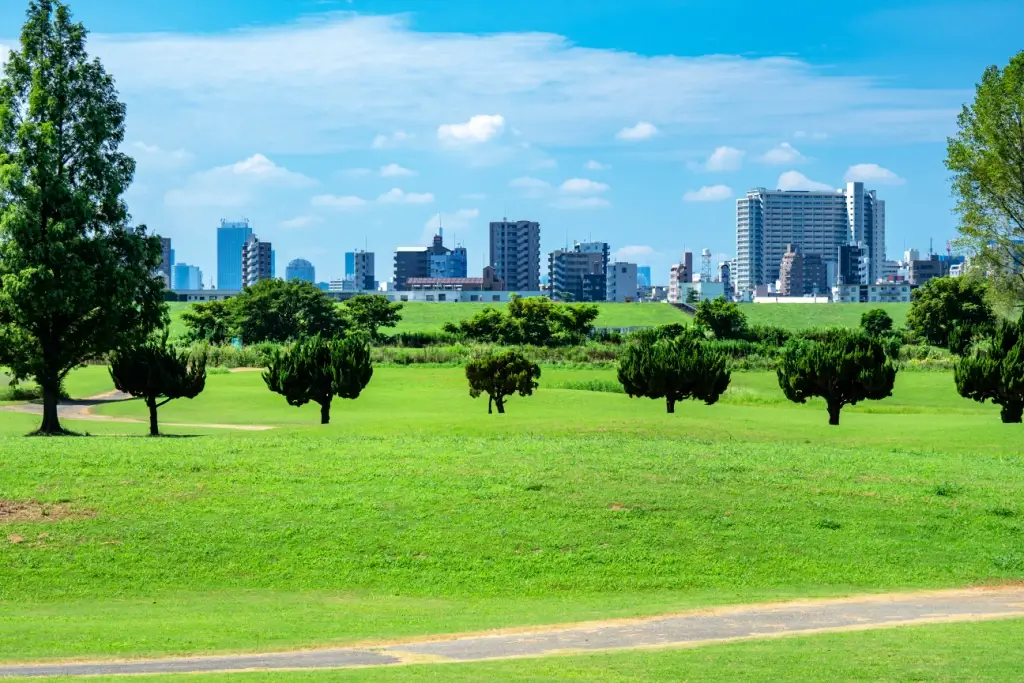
<point>416,513</point>
<point>801,316</point>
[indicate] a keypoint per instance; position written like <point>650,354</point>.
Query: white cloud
<point>794,180</point>
<point>634,253</point>
<point>454,224</point>
<point>872,173</point>
<point>475,195</point>
<point>154,156</point>
<point>331,201</point>
<point>301,222</point>
<point>533,188</point>
<point>480,128</point>
<point>329,83</point>
<point>641,131</point>
<point>236,184</point>
<point>397,196</point>
<point>395,171</point>
<point>583,186</point>
<point>782,155</point>
<point>709,193</point>
<point>396,139</point>
<point>580,203</point>
<point>725,159</point>
<point>596,166</point>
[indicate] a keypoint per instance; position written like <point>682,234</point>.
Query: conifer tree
<point>501,375</point>
<point>674,369</point>
<point>995,371</point>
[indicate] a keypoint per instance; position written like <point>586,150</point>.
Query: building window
<point>495,297</point>
<point>430,297</point>
<point>441,297</point>
<point>405,297</point>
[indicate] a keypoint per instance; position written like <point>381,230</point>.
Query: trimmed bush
<point>996,373</point>
<point>500,376</point>
<point>673,369</point>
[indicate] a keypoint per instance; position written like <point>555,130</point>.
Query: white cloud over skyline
<point>794,180</point>
<point>725,159</point>
<point>782,155</point>
<point>709,193</point>
<point>479,128</point>
<point>641,131</point>
<point>872,174</point>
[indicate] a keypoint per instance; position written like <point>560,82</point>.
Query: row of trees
<point>535,321</point>
<point>279,311</point>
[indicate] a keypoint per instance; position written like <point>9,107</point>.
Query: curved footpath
<point>82,410</point>
<point>681,630</point>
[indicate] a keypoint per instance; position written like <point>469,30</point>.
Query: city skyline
<point>648,149</point>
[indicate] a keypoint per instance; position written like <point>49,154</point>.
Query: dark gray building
<point>515,254</point>
<point>410,262</point>
<point>848,271</point>
<point>576,275</point>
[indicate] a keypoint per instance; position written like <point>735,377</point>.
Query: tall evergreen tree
<point>318,370</point>
<point>995,371</point>
<point>155,371</point>
<point>674,369</point>
<point>75,280</point>
<point>843,367</point>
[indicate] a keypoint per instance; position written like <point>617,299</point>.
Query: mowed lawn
<point>795,317</point>
<point>417,513</point>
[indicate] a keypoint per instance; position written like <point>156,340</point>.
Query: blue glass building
<point>643,276</point>
<point>300,269</point>
<point>350,265</point>
<point>231,237</point>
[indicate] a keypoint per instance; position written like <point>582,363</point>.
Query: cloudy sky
<point>339,125</point>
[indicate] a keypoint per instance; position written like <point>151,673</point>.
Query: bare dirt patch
<point>12,511</point>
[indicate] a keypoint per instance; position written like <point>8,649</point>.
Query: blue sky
<point>339,125</point>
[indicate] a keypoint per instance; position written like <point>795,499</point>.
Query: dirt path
<point>82,410</point>
<point>674,631</point>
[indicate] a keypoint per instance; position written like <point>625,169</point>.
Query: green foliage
<point>724,318</point>
<point>683,367</point>
<point>154,371</point>
<point>769,335</point>
<point>988,174</point>
<point>995,372</point>
<point>501,375</point>
<point>843,367</point>
<point>75,280</point>
<point>536,321</point>
<point>269,311</point>
<point>317,370</point>
<point>876,322</point>
<point>950,311</point>
<point>370,312</point>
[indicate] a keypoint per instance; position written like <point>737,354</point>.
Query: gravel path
<point>694,628</point>
<point>82,410</point>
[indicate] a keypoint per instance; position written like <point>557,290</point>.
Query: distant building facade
<point>300,269</point>
<point>256,261</point>
<point>231,237</point>
<point>166,261</point>
<point>515,254</point>
<point>680,276</point>
<point>577,275</point>
<point>621,279</point>
<point>643,276</point>
<point>186,277</point>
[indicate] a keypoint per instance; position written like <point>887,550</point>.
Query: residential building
<point>256,261</point>
<point>791,272</point>
<point>680,275</point>
<point>445,262</point>
<point>725,277</point>
<point>816,275</point>
<point>364,272</point>
<point>848,270</point>
<point>882,292</point>
<point>923,270</point>
<point>621,282</point>
<point>411,262</point>
<point>166,261</point>
<point>186,277</point>
<point>577,275</point>
<point>300,269</point>
<point>488,282</point>
<point>231,237</point>
<point>643,276</point>
<point>515,254</point>
<point>818,222</point>
<point>436,260</point>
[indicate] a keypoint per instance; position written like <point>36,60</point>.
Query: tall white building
<point>817,222</point>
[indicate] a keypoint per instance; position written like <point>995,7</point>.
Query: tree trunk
<point>51,397</point>
<point>500,402</point>
<point>670,405</point>
<point>490,403</point>
<point>833,412</point>
<point>1012,413</point>
<point>325,412</point>
<point>154,428</point>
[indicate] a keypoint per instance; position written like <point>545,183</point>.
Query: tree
<point>211,322</point>
<point>996,372</point>
<point>986,158</point>
<point>154,371</point>
<point>677,368</point>
<point>76,281</point>
<point>501,375</point>
<point>278,311</point>
<point>371,312</point>
<point>724,318</point>
<point>843,367</point>
<point>530,320</point>
<point>876,322</point>
<point>318,369</point>
<point>949,311</point>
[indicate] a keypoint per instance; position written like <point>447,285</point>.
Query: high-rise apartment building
<point>445,262</point>
<point>680,274</point>
<point>164,270</point>
<point>300,269</point>
<point>818,222</point>
<point>576,275</point>
<point>364,272</point>
<point>791,272</point>
<point>434,261</point>
<point>515,254</point>
<point>186,277</point>
<point>231,237</point>
<point>622,282</point>
<point>256,261</point>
